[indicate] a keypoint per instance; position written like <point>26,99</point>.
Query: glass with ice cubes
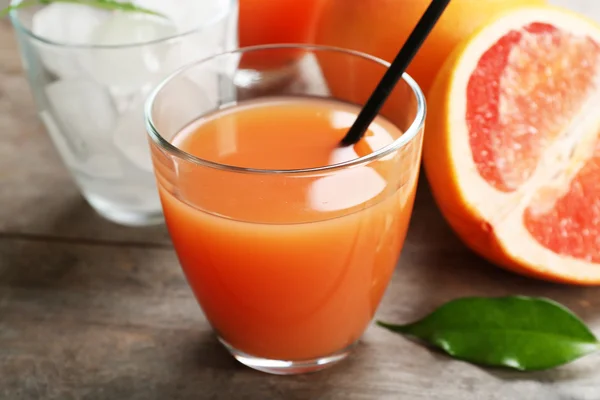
<point>91,70</point>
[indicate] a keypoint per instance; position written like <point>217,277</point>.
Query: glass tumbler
<point>290,289</point>
<point>91,70</point>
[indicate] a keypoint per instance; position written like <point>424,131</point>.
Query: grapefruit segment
<point>514,89</point>
<point>512,151</point>
<point>571,226</point>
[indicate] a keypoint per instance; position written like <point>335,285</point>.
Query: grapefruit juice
<point>288,265</point>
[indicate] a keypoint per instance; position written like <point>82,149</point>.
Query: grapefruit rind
<point>488,220</point>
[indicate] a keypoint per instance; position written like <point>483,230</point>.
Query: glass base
<point>127,217</point>
<point>281,367</point>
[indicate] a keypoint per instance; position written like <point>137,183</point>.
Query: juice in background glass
<point>265,22</point>
<point>287,240</point>
<point>277,21</point>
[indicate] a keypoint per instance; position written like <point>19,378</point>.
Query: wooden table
<point>90,310</point>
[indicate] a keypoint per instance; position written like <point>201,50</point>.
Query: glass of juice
<point>287,239</point>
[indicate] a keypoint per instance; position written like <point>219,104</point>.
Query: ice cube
<point>190,15</point>
<point>64,146</point>
<point>80,118</point>
<point>130,135</point>
<point>99,164</point>
<point>185,100</point>
<point>84,111</point>
<point>128,68</point>
<point>191,48</point>
<point>65,24</point>
<point>131,28</point>
<point>210,28</point>
<point>206,77</point>
<point>189,97</point>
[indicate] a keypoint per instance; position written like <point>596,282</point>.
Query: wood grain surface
<point>90,310</point>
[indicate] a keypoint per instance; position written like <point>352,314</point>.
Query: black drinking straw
<point>395,71</point>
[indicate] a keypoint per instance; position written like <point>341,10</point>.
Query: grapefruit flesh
<point>571,227</point>
<point>524,92</point>
<point>519,97</point>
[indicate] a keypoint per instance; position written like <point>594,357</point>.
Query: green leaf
<point>114,5</point>
<point>521,333</point>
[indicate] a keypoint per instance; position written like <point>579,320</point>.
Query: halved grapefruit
<point>512,145</point>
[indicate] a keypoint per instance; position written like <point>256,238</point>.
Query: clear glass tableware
<point>91,70</point>
<point>290,290</point>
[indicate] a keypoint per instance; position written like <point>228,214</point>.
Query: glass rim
<point>16,21</point>
<point>407,137</point>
